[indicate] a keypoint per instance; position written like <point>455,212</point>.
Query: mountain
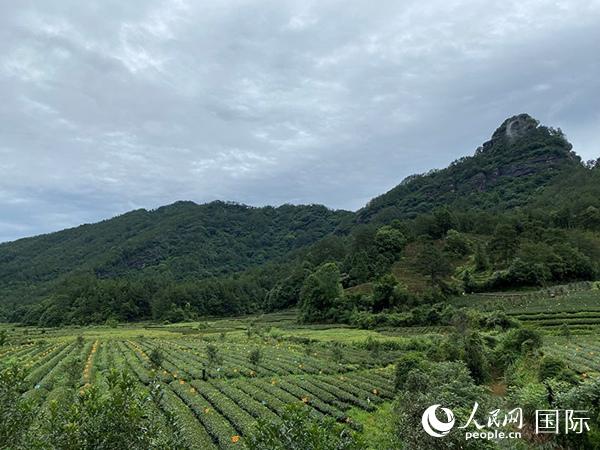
<point>521,157</point>
<point>524,206</point>
<point>184,239</point>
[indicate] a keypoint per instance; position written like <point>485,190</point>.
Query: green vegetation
<point>521,212</point>
<point>224,326</point>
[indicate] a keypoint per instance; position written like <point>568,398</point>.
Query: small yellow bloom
<point>235,439</point>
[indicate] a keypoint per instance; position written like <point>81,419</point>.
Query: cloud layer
<point>109,106</point>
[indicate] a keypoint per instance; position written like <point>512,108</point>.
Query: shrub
<point>552,367</point>
<point>298,431</point>
<point>255,356</point>
<point>111,418</point>
<point>156,358</point>
<point>16,413</point>
<point>406,363</point>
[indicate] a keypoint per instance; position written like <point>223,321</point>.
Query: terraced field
<point>576,305</point>
<point>217,400</point>
<point>582,353</point>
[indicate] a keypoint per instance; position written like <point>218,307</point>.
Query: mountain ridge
<point>192,251</point>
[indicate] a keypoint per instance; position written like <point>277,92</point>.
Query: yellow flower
<point>304,399</point>
<point>235,439</point>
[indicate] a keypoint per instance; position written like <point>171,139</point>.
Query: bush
<point>552,367</point>
<point>255,356</point>
<point>298,431</point>
<point>406,363</point>
<point>112,418</point>
<point>448,384</point>
<point>475,357</point>
<point>457,243</point>
<point>156,358</point>
<point>499,319</point>
<point>16,413</point>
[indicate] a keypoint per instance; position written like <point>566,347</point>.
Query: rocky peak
<point>516,126</point>
<point>511,129</point>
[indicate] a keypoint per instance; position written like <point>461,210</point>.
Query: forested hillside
<point>504,173</point>
<point>522,211</point>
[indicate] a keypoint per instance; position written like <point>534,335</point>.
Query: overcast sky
<point>107,106</point>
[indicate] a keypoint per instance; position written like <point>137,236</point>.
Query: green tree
<point>212,355</point>
<point>446,383</point>
<point>457,243</point>
<point>255,356</point>
<point>156,358</point>
<point>389,242</point>
<point>319,293</point>
<point>481,259</point>
<point>432,262</point>
<point>504,243</point>
<point>389,293</point>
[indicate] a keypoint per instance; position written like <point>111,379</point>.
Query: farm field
<point>220,377</point>
<point>577,305</point>
<point>211,385</point>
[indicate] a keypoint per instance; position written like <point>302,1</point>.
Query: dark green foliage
<point>407,362</point>
<point>481,259</point>
<point>181,241</point>
<point>552,367</point>
<point>286,293</point>
<point>389,242</point>
<point>501,175</point>
<point>584,397</point>
<point>517,342</point>
<point>3,337</point>
<point>213,356</point>
<point>499,320</point>
<point>337,353</point>
<point>156,358</point>
<point>457,243</point>
<point>445,383</point>
<point>321,290</point>
<point>388,293</point>
<point>476,358</point>
<point>298,431</point>
<point>432,263</point>
<point>255,356</point>
<point>504,243</point>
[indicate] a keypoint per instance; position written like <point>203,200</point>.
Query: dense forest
<point>523,211</point>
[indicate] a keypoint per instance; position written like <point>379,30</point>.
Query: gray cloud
<point>109,106</point>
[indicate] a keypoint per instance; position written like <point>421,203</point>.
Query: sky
<point>114,105</point>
